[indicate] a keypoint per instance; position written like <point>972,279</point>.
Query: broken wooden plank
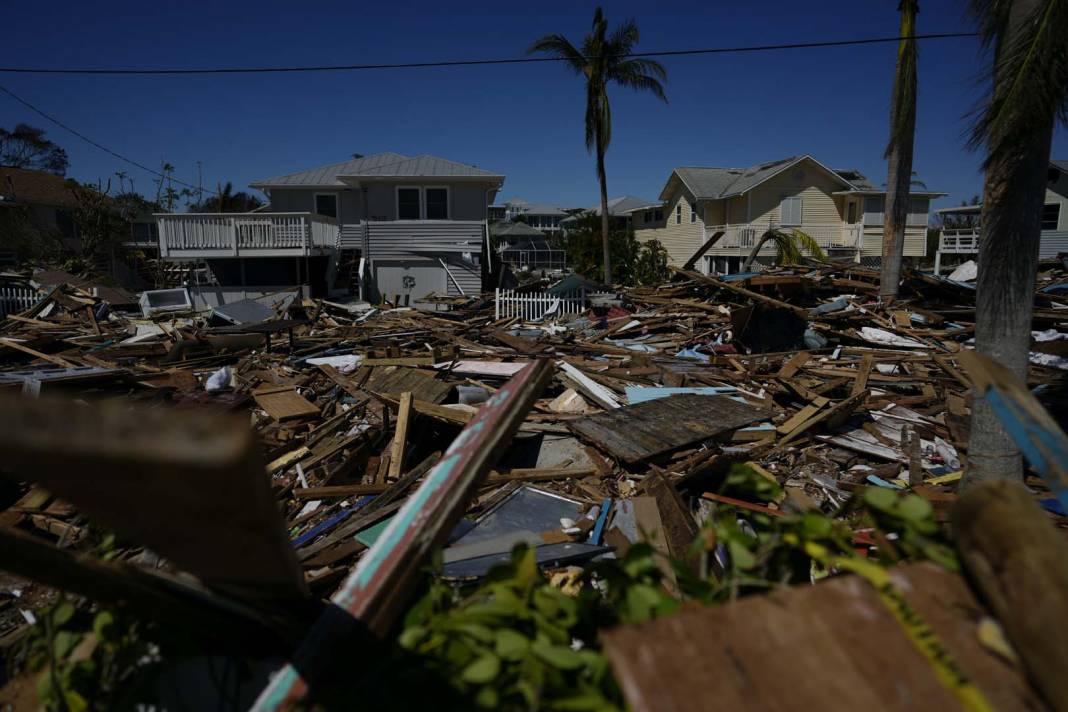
<point>638,432</point>
<point>400,436</point>
<point>284,403</point>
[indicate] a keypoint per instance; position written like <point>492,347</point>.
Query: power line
<point>481,62</point>
<point>90,141</point>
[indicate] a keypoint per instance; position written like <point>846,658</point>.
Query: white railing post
<point>497,305</point>
<point>234,238</point>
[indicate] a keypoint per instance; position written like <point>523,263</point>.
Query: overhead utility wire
<point>479,62</point>
<point>103,148</point>
<point>414,65</point>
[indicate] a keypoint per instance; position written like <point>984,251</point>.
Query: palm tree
<point>1029,93</point>
<point>899,152</point>
<point>790,246</point>
<point>603,60</point>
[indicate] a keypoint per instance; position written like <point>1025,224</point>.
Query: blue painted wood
<point>598,528</point>
<point>332,522</point>
<point>637,394</point>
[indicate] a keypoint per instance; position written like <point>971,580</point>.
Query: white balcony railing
<point>959,240</point>
<point>745,236</point>
<point>230,234</point>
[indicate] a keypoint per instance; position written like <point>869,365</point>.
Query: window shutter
<point>917,212</point>
<point>790,211</point>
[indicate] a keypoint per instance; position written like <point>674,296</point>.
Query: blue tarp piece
<point>694,355</point>
<point>741,276</point>
<point>332,522</point>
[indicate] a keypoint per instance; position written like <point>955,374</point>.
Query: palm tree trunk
<point>899,175</point>
<point>1013,193</point>
<point>756,249</point>
<point>603,179</point>
<point>899,156</point>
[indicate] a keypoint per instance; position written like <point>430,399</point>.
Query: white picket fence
<point>538,306</point>
<point>16,298</point>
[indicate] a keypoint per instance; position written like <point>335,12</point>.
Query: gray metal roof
<point>617,207</point>
<point>1061,165</point>
<point>534,208</point>
<point>378,165</point>
<point>714,183</point>
<point>513,230</point>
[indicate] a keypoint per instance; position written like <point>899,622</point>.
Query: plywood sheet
<point>638,432</point>
<point>423,385</point>
<point>284,403</point>
<point>833,646</point>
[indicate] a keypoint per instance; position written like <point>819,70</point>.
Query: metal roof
<point>379,165</point>
<point>715,183</point>
<point>619,206</point>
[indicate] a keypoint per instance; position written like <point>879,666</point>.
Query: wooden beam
<point>400,436</point>
<point>61,362</point>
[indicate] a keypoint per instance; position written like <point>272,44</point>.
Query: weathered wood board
<point>423,385</point>
<point>284,403</point>
<point>639,432</point>
<point>832,646</point>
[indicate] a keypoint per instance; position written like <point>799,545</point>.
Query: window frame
<point>418,202</point>
<point>658,215</point>
<point>315,204</point>
<point>1056,218</point>
<point>693,212</point>
<point>801,211</point>
<point>448,201</point>
<point>678,213</point>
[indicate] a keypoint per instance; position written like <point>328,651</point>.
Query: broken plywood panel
<point>424,386</point>
<point>831,646</point>
<point>284,403</point>
<point>639,432</point>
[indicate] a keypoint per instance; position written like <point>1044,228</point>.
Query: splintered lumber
<point>284,403</point>
<point>635,433</point>
<point>151,594</point>
<point>796,362</point>
<point>189,485</point>
<point>377,591</point>
<point>583,383</point>
<point>424,385</point>
<point>821,647</point>
<point>840,410</point>
<point>1020,563</point>
<point>1032,428</point>
<point>396,454</point>
<point>12,344</point>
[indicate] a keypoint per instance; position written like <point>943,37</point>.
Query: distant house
<point>404,226</point>
<point>44,198</point>
<point>841,209</point>
<point>524,248</point>
<point>961,231</point>
<point>619,211</point>
<point>541,216</point>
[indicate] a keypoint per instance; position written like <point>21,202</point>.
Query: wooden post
<point>396,459</point>
<point>1020,563</point>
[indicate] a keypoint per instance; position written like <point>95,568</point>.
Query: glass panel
<point>326,205</point>
<point>407,203</point>
<point>1051,213</point>
<point>437,204</point>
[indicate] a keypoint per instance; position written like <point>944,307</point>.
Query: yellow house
<point>841,209</point>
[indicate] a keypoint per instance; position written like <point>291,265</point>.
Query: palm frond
<point>622,40</point>
<point>807,243</point>
<point>559,46</point>
<point>633,78</point>
<point>1031,67</point>
<point>903,98</point>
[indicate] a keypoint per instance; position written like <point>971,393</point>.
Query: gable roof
<point>515,230</point>
<point>22,186</point>
<point>533,208</point>
<point>379,165</point>
<point>716,183</point>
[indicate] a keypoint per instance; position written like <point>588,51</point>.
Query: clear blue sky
<point>524,121</point>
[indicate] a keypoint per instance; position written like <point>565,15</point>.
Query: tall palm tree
<point>899,152</point>
<point>1029,94</point>
<point>790,246</point>
<point>602,61</point>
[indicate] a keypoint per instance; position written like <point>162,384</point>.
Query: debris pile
<point>579,436</point>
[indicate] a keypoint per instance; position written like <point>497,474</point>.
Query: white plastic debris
<point>221,380</point>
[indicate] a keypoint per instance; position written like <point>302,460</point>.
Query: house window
<point>1051,214</point>
<point>658,215</point>
<point>408,204</point>
<point>437,203</point>
<point>326,204</point>
<point>790,211</point>
<point>693,211</point>
<point>647,216</point>
<point>873,210</point>
<point>678,213</point>
<point>851,212</point>
<point>917,216</point>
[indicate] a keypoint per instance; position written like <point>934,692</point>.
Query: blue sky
<point>524,121</point>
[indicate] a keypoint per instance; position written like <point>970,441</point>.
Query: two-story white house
<point>840,208</point>
<point>402,226</point>
<point>961,232</point>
